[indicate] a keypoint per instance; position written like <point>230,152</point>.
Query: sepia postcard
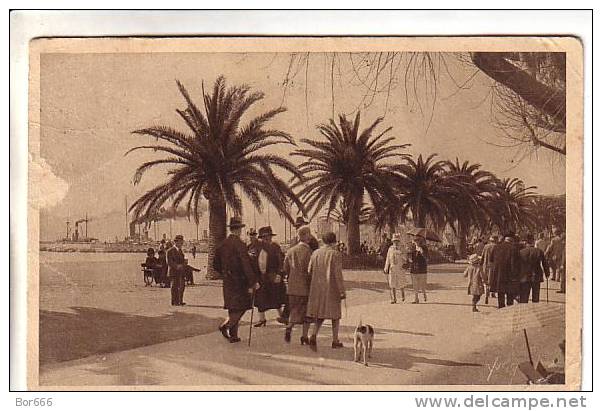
<point>305,213</point>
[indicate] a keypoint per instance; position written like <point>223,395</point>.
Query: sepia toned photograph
<point>289,213</point>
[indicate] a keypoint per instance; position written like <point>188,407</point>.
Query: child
<point>476,280</point>
<point>394,268</point>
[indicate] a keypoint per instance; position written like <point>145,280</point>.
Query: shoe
<point>474,310</point>
<point>287,335</point>
<point>415,302</point>
<point>304,340</point>
<point>225,331</point>
<point>182,303</point>
<point>234,340</point>
<point>282,320</point>
<point>313,344</point>
<point>424,297</point>
<point>560,292</point>
<point>393,302</point>
<point>337,344</point>
<point>260,324</point>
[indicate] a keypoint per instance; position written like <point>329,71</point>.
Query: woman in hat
<point>417,262</point>
<point>272,292</point>
<point>476,280</point>
<point>394,268</point>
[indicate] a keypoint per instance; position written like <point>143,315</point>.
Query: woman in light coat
<point>396,275</point>
<point>476,280</point>
<point>327,289</point>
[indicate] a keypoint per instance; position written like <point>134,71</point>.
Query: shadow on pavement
<point>88,331</point>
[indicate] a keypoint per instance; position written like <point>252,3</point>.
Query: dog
<point>363,341</point>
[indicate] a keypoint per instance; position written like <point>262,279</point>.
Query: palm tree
<point>427,192</point>
<point>476,186</point>
<point>218,159</point>
<point>549,212</point>
<point>348,165</point>
<point>512,206</point>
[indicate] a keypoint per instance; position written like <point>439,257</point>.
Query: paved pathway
<point>432,343</point>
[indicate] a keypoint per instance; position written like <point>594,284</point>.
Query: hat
<point>396,237</point>
<point>265,232</point>
<point>252,232</point>
<point>300,221</point>
<point>179,237</point>
<point>473,259</point>
<point>235,222</point>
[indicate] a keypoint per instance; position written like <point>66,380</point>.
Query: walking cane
<point>547,289</point>
<point>252,310</point>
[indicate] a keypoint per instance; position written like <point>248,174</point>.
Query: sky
<point>90,104</point>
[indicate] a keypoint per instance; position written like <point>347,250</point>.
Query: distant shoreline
<point>110,247</point>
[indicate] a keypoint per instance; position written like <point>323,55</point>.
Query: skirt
<point>419,282</point>
<point>397,280</point>
<point>298,309</point>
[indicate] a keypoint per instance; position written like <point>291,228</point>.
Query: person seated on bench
<point>152,264</point>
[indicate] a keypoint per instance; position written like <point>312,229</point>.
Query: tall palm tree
<point>348,165</point>
<point>476,187</point>
<point>341,213</point>
<point>512,206</point>
<point>218,158</point>
<point>427,192</point>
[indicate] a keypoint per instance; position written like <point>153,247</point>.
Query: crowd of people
<point>512,269</point>
<point>170,269</point>
<point>305,286</point>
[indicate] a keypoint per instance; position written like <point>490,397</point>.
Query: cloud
<point>46,188</point>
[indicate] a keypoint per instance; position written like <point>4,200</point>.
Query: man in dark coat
<point>239,279</point>
<point>533,266</point>
<point>504,280</point>
<point>177,271</point>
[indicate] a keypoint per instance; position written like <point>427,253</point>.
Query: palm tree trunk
<point>217,233</point>
<point>462,240</point>
<point>353,229</point>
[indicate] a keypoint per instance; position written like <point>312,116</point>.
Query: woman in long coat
<point>327,289</point>
<point>272,293</point>
<point>396,275</point>
<point>476,280</point>
<point>417,261</point>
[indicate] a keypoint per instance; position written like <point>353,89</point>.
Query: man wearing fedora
<point>177,270</point>
<point>239,279</point>
<point>272,294</point>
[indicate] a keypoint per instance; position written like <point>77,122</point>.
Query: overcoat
<point>271,294</point>
<point>533,264</point>
<point>233,262</point>
<point>327,285</point>
<point>295,267</point>
<point>486,262</point>
<point>554,252</point>
<point>476,279</point>
<point>176,262</point>
<point>506,266</point>
<point>394,262</point>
